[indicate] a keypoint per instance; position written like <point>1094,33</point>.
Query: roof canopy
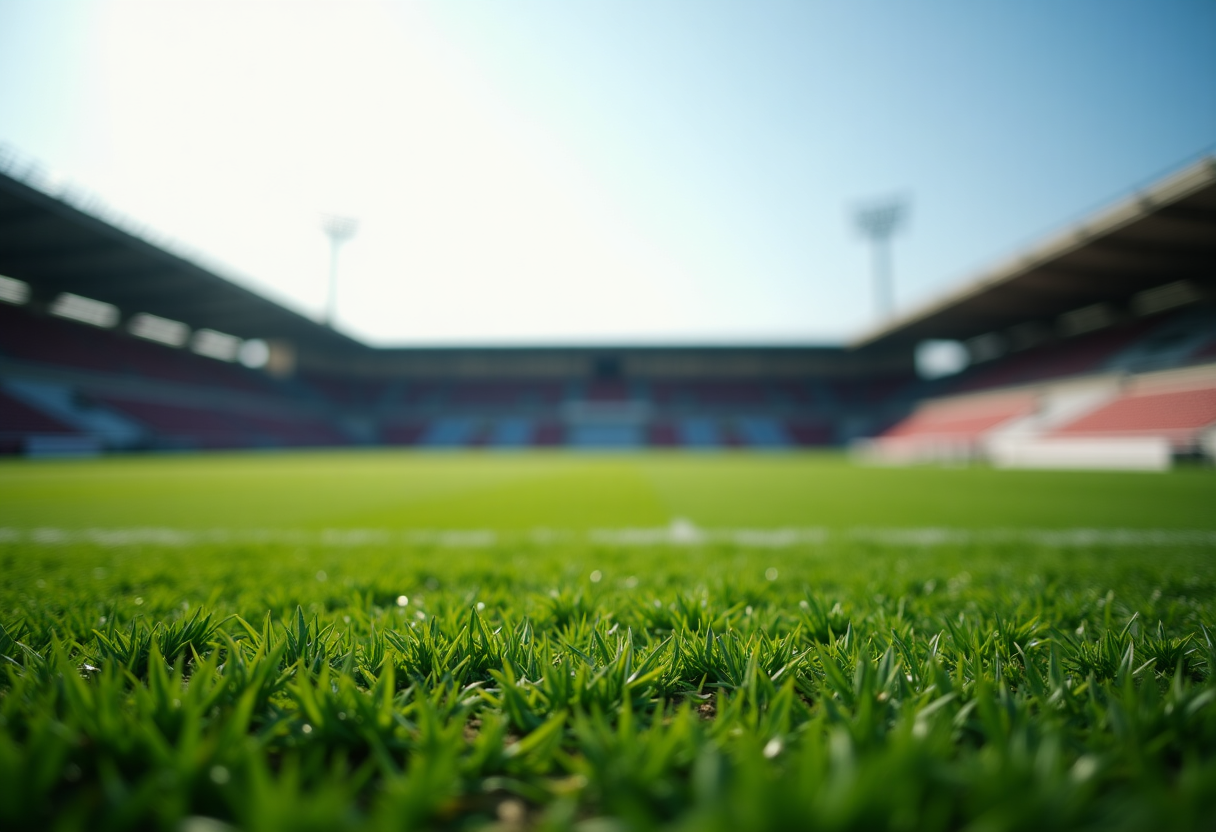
<point>57,247</point>
<point>1162,235</point>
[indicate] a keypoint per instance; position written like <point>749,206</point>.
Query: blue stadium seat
<point>511,433</point>
<point>699,433</point>
<point>763,433</point>
<point>605,436</point>
<point>452,432</point>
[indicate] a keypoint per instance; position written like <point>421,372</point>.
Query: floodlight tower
<point>879,221</point>
<point>339,230</point>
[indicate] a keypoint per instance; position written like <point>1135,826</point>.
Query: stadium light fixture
<point>85,310</point>
<point>339,230</point>
<point>218,345</point>
<point>156,328</point>
<point>14,291</point>
<point>938,358</point>
<point>879,221</point>
<point>254,353</point>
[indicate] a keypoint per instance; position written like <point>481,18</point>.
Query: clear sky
<point>558,172</point>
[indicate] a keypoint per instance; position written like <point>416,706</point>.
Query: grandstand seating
<point>1080,354</point>
<point>723,393</point>
<point>789,392</point>
<point>490,394</point>
<point>698,433</point>
<point>549,434</point>
<point>1099,421</point>
<point>1178,415</point>
<point>184,427</point>
<point>194,426</point>
<point>662,434</point>
<point>510,433</point>
<point>961,421</point>
<point>762,433</point>
<point>348,391</point>
<point>67,406</point>
<point>213,404</point>
<point>605,436</point>
<point>810,432</point>
<point>449,432</point>
<point>1207,351</point>
<point>402,433</point>
<point>1173,340</point>
<point>607,391</point>
<point>869,391</point>
<point>17,417</point>
<point>157,420</point>
<point>18,421</point>
<point>69,344</point>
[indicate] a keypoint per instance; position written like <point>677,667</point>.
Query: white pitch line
<point>679,533</point>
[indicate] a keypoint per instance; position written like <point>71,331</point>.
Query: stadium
<point>1104,333</point>
<point>955,571</point>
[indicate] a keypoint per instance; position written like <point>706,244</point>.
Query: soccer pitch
<point>524,491</point>
<point>399,640</point>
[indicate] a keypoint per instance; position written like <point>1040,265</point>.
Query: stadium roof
<point>1163,236</point>
<point>72,244</point>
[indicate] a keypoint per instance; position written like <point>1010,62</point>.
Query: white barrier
<point>1138,453</point>
<point>913,450</point>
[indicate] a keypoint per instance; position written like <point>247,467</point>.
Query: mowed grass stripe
<point>527,490</point>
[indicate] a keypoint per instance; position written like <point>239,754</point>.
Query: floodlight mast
<point>879,222</point>
<point>339,230</point>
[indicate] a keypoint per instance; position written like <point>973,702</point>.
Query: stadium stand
<point>449,432</point>
<point>662,434</point>
<point>511,433</point>
<point>1064,344</point>
<point>1082,327</point>
<point>549,435</point>
<point>402,433</point>
<point>1206,352</point>
<point>605,436</point>
<point>759,432</point>
<point>175,426</point>
<point>699,433</point>
<point>1178,409</point>
<point>46,340</point>
<point>1074,356</point>
<point>954,426</point>
<point>19,422</point>
<point>71,407</point>
<point>810,433</point>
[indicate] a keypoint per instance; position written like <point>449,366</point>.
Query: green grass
<point>942,653</point>
<point>510,491</point>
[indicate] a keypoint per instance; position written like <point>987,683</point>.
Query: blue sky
<point>555,172</point>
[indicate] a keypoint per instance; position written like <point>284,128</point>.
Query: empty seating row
<point>1077,355</point>
<point>517,432</point>
<point>962,419</point>
<point>21,425</point>
<point>18,419</point>
<point>1180,416</point>
<point>70,344</point>
<point>1173,411</point>
<point>202,427</point>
